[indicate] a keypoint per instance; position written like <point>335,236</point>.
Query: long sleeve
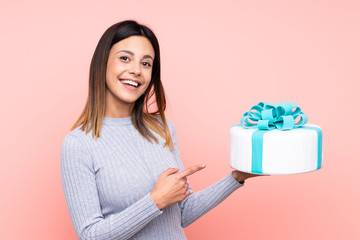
<point>80,189</point>
<point>201,202</point>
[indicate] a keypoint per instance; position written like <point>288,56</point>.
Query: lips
<point>129,86</point>
<point>139,84</point>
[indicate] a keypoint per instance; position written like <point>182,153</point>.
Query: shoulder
<point>74,139</point>
<point>171,126</point>
<point>170,123</point>
<point>75,150</point>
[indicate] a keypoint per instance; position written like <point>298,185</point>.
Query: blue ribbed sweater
<point>107,184</point>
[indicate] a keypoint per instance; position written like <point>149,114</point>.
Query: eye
<point>122,57</point>
<point>148,64</point>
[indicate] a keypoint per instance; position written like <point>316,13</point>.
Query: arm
<point>201,202</point>
<point>81,195</point>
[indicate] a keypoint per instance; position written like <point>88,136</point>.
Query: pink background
<point>218,59</point>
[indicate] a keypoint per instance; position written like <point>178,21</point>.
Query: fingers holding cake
<point>242,176</point>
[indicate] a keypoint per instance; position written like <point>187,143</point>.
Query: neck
<point>116,109</point>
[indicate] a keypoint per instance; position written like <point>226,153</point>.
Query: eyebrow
<point>132,54</point>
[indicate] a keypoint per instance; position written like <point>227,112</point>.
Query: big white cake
<point>297,149</point>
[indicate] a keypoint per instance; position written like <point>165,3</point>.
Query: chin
<point>128,100</point>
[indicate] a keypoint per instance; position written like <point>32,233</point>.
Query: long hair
<point>94,111</point>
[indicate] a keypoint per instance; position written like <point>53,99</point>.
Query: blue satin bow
<point>266,116</point>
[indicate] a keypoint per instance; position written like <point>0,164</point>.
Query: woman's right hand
<point>172,187</point>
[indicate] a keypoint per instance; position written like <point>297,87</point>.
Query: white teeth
<point>135,84</point>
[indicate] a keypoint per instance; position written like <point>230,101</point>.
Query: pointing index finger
<point>191,170</point>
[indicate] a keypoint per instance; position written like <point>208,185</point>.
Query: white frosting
<point>284,152</point>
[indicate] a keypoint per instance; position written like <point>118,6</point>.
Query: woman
<point>125,180</point>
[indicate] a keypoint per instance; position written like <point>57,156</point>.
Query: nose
<point>135,69</point>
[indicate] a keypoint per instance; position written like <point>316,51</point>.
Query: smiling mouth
<point>129,82</point>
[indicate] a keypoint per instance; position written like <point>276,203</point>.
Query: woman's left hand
<point>242,176</point>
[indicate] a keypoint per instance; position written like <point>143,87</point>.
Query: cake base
<point>264,173</point>
<point>276,152</point>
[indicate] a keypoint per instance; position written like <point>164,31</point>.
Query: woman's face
<point>130,63</point>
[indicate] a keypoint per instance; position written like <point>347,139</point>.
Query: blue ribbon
<point>266,117</point>
<point>319,133</point>
<point>281,116</point>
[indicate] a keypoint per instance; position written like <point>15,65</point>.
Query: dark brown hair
<point>141,118</point>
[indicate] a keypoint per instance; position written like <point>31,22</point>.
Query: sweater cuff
<point>156,209</point>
